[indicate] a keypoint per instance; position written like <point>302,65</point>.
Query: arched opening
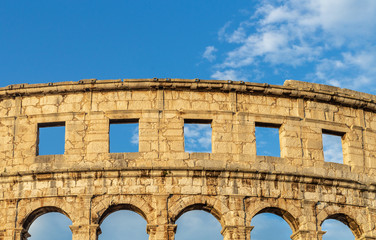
<point>199,206</point>
<point>198,225</point>
<point>340,226</point>
<point>122,222</point>
<point>273,223</point>
<point>47,223</point>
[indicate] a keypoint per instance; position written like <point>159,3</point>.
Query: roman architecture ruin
<point>162,181</point>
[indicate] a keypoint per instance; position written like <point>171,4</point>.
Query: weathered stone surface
<point>161,181</point>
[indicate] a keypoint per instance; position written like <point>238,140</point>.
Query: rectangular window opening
<point>124,135</point>
<point>197,135</point>
<point>51,138</point>
<point>332,146</point>
<point>267,139</point>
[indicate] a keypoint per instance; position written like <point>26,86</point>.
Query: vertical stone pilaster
<point>300,108</point>
<point>233,101</point>
<point>85,232</point>
<point>6,234</point>
<point>160,99</point>
<point>353,147</point>
<point>161,232</point>
<point>307,235</point>
<point>236,232</point>
<point>244,142</point>
<point>311,135</point>
<point>98,129</point>
<point>222,137</point>
<point>291,141</point>
<point>9,234</point>
<point>19,234</point>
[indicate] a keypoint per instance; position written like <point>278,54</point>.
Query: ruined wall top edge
<point>290,88</point>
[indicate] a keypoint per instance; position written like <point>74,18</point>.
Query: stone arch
<point>26,223</point>
<point>212,205</point>
<point>199,206</point>
<point>348,221</point>
<point>32,216</point>
<point>35,208</point>
<point>118,207</point>
<point>105,205</point>
<point>285,210</point>
<point>355,223</point>
<point>291,220</point>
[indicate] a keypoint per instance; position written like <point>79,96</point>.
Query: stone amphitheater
<point>161,181</point>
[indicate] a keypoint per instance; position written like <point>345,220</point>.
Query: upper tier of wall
<point>301,110</point>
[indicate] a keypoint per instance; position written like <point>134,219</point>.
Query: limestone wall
<point>161,181</point>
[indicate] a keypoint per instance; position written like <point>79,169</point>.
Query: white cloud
<point>351,70</point>
<point>209,53</point>
<point>135,136</point>
<point>346,19</point>
<point>190,131</point>
<point>364,60</point>
<point>228,75</point>
<point>205,139</point>
<point>222,33</point>
<point>332,148</point>
<point>332,38</point>
<point>263,44</point>
<point>337,19</point>
<point>197,137</point>
<point>280,38</point>
<point>239,35</point>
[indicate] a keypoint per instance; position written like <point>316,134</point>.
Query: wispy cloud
<point>332,41</point>
<point>197,137</point>
<point>351,70</point>
<point>267,141</point>
<point>209,53</point>
<point>229,74</point>
<point>135,136</point>
<point>332,148</point>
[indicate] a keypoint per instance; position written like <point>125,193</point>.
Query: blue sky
<point>330,42</point>
<point>320,41</point>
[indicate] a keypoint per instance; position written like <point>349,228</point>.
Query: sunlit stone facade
<point>162,181</point>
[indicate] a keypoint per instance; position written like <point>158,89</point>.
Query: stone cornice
<point>291,88</point>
